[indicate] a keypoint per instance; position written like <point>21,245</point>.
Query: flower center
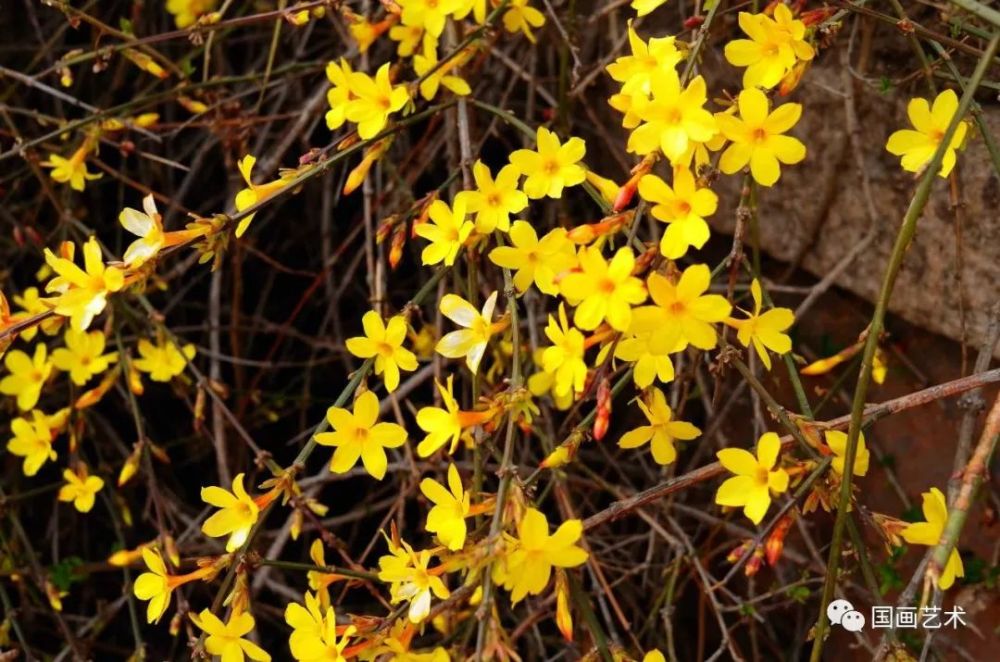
<point>551,167</point>
<point>762,475</point>
<point>384,349</point>
<point>759,135</point>
<point>493,199</point>
<point>678,308</point>
<point>607,286</point>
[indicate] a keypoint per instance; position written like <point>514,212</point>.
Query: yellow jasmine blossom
<point>471,341</point>
<point>426,62</point>
<point>186,12</point>
<point>257,193</point>
<point>156,586</point>
<point>683,207</point>
<point>918,146</point>
<point>535,261</point>
<point>447,517</point>
<point>602,290</point>
<point>552,166</point>
<point>359,435</point>
<point>33,439</point>
<point>447,231</point>
<point>635,71</point>
<point>529,566</point>
<point>374,100</point>
<point>237,516</point>
<point>758,137</point>
<point>409,38</point>
<point>446,425</point>
<point>661,431</point>
<point>765,331</point>
<point>683,310</point>
<point>83,355</point>
<point>226,639</point>
<point>837,441</point>
<point>339,94</point>
<point>521,16</point>
<point>82,294</point>
<point>385,343</point>
<point>72,170</point>
<point>31,304</point>
<point>428,14</point>
<point>493,201</point>
<point>564,360</point>
<point>673,117</point>
<point>410,579</point>
<point>80,488</point>
<point>756,477</point>
<point>148,226</point>
<point>27,376</point>
<point>648,353</point>
<point>774,47</point>
<point>929,533</point>
<point>164,360</point>
<point>314,632</point>
<point>644,7</point>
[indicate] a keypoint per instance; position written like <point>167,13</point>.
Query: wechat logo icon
<point>842,613</point>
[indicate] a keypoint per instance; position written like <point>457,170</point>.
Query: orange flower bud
<point>775,543</point>
<point>564,619</point>
<point>603,418</point>
<point>396,248</point>
<point>131,465</point>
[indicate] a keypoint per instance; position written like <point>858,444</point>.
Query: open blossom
<point>314,632</point>
<point>529,566</point>
<point>837,441</point>
<point>373,101</point>
<point>163,360</point>
<point>227,639</point>
<point>428,14</point>
<point>603,290</point>
<point>564,360</point>
<point>33,438</point>
<point>552,166</point>
<point>493,201</point>
<point>773,48</point>
<point>635,71</point>
<point>31,304</point>
<point>72,170</point>
<point>756,477</point>
<point>80,488</point>
<point>917,145</point>
<point>254,194</point>
<point>155,585</point>
<point>683,207</point>
<point>471,341</point>
<point>27,376</point>
<point>237,515</point>
<point>339,94</point>
<point>445,426</point>
<point>384,342</point>
<point>83,357</point>
<point>929,533</point>
<point>148,226</point>
<point>765,331</point>
<point>538,261</point>
<point>673,118</point>
<point>662,430</point>
<point>186,12</point>
<point>410,580</point>
<point>683,310</point>
<point>522,16</point>
<point>82,294</point>
<point>758,137</point>
<point>447,231</point>
<point>426,64</point>
<point>357,435</point>
<point>451,507</point>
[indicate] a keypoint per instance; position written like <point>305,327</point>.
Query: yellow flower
<point>186,12</point>
<point>385,343</point>
<point>757,137</point>
<point>520,16</point>
<point>471,341</point>
<point>82,295</point>
<point>756,477</point>
<point>409,38</point>
<point>83,355</point>
<point>447,232</point>
<point>837,441</point>
<point>339,94</point>
<point>684,207</point>
<point>535,553</point>
<point>602,290</point>
<point>917,147</point>
<point>428,14</point>
<point>683,311</point>
<point>635,71</point>
<point>27,376</point>
<point>929,533</point>
<point>653,656</point>
<point>31,304</point>
<point>237,516</point>
<point>358,435</point>
<point>374,100</point>
<point>164,360</point>
<point>410,581</point>
<point>774,47</point>
<point>447,517</point>
<point>148,226</point>
<point>765,331</point>
<point>424,63</point>
<point>494,201</point>
<point>314,632</point>
<point>644,7</point>
<point>33,439</point>
<point>538,261</point>
<point>155,585</point>
<point>661,431</point>
<point>564,359</point>
<point>552,167</point>
<point>444,425</point>
<point>650,356</point>
<point>673,118</point>
<point>226,639</point>
<point>73,169</point>
<point>256,193</point>
<point>80,488</point>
